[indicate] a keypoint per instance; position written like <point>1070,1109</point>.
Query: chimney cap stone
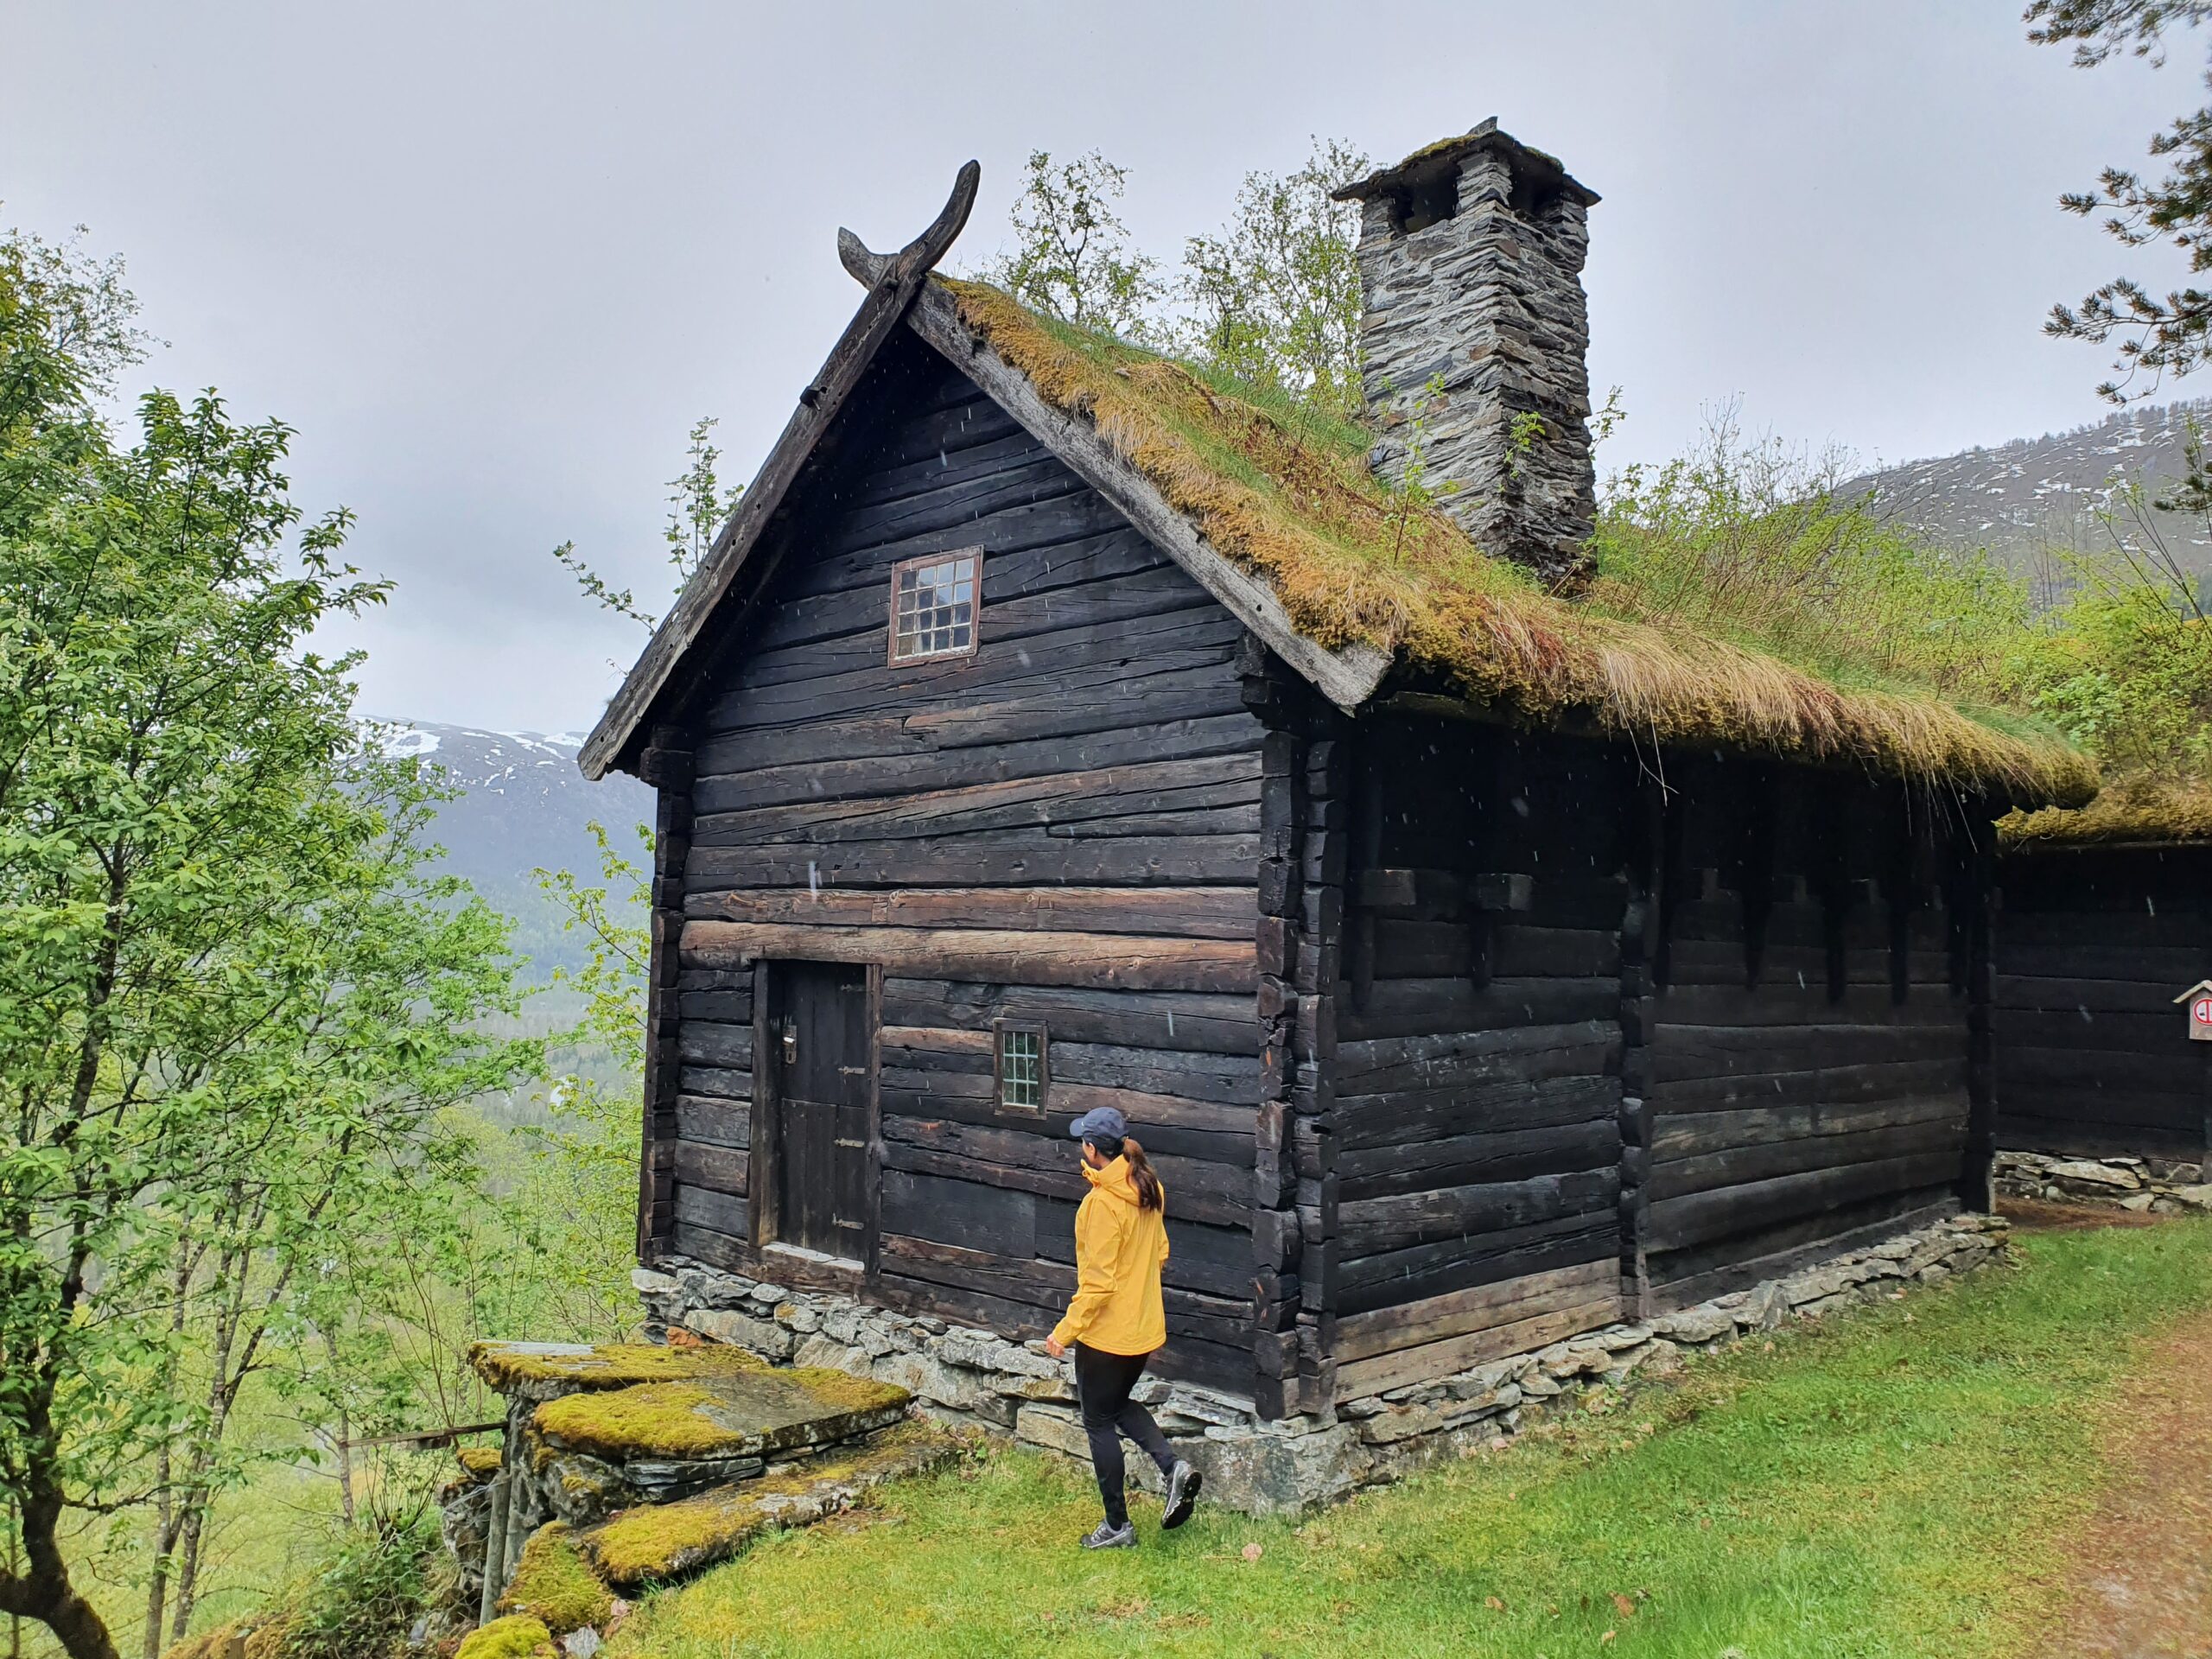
<point>1445,155</point>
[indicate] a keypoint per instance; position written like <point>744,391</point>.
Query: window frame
<point>974,558</point>
<point>999,1031</point>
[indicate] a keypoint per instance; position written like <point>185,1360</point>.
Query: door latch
<point>791,1042</point>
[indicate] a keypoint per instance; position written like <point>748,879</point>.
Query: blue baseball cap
<point>1099,1124</point>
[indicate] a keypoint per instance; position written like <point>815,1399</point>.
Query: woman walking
<point>1115,1323</point>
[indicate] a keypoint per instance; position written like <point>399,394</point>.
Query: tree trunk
<point>15,1565</point>
<point>345,1437</point>
<point>345,1469</point>
<point>157,1583</point>
<point>41,1590</point>
<point>187,1575</point>
<point>77,1627</point>
<point>165,1526</point>
<point>238,1344</point>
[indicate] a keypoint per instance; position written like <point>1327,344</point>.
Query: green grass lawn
<point>1896,1481</point>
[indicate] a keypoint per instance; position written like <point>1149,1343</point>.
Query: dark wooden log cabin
<point>992,788</point>
<point>2099,939</point>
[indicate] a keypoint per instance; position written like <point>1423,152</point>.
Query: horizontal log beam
<point>1435,1359</point>
<point>1102,960</point>
<point>1191,912</point>
<point>1480,1307</point>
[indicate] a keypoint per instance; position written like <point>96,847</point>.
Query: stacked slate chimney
<point>1475,329</point>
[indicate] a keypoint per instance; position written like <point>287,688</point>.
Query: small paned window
<point>933,606</point>
<point>1020,1066</point>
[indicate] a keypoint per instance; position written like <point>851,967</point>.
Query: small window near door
<point>933,606</point>
<point>1019,1054</point>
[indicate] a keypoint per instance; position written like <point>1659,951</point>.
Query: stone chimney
<point>1470,257</point>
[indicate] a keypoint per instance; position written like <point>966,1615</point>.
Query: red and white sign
<point>2199,998</point>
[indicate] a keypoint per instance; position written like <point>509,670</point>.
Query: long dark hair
<point>1141,1171</point>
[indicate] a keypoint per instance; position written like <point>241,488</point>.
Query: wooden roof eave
<point>1348,678</point>
<point>897,280</point>
<point>1584,723</point>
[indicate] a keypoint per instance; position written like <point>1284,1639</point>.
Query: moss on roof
<point>1288,495</point>
<point>2128,812</point>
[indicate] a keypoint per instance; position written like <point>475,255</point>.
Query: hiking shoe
<point>1109,1536</point>
<point>1183,1485</point>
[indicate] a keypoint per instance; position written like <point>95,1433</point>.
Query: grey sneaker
<point>1109,1536</point>
<point>1183,1485</point>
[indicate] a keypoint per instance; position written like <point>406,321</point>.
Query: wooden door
<point>821,1027</point>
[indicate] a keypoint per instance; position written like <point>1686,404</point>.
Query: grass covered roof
<point>2130,813</point>
<point>1285,493</point>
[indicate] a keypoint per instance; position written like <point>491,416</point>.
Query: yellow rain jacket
<point>1119,1251</point>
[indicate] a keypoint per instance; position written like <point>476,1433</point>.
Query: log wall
<point>1064,826</point>
<point>1474,1132</point>
<point>1809,1063</point>
<point>2092,1056</point>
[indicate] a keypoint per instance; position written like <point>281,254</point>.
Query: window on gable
<point>933,606</point>
<point>1019,1061</point>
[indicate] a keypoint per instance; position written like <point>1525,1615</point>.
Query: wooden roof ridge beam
<point>1348,678</point>
<point>896,279</point>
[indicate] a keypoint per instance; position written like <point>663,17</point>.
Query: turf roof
<point>2130,812</point>
<point>1287,494</point>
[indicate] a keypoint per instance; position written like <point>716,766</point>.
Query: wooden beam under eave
<point>1347,678</point>
<point>1118,962</point>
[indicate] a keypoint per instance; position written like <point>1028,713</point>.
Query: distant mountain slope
<point>2023,498</point>
<point>522,806</point>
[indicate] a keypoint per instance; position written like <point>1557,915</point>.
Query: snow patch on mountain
<point>2062,492</point>
<point>523,806</point>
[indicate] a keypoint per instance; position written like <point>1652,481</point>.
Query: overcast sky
<point>493,261</point>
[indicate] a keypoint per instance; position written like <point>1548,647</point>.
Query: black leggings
<point>1102,1382</point>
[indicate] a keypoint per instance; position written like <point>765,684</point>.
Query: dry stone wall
<point>972,1377</point>
<point>2160,1186</point>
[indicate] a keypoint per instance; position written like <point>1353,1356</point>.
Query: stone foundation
<point>971,1377</point>
<point>2162,1186</point>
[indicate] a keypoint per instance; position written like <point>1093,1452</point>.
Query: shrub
<point>361,1602</point>
<point>1751,541</point>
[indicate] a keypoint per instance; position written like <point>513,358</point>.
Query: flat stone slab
<point>652,1543</point>
<point>548,1370</point>
<point>730,1417</point>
